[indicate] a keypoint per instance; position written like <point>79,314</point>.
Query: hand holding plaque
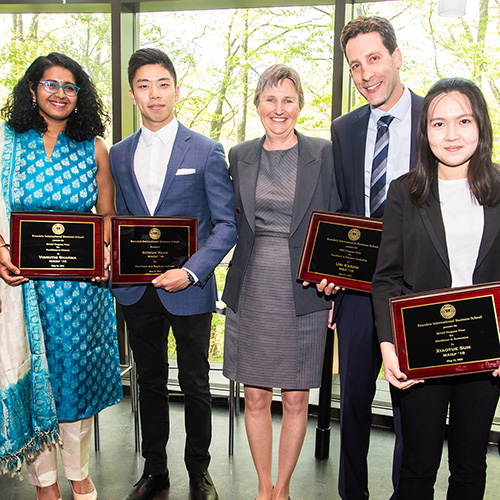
<point>340,248</point>
<point>145,247</point>
<point>447,332</point>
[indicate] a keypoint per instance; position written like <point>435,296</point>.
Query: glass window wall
<point>219,55</point>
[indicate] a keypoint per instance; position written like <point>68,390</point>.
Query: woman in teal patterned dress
<point>59,364</point>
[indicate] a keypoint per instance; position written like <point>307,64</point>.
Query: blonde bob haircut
<point>275,74</point>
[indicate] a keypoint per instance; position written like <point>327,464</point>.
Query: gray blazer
<point>316,190</point>
<point>413,256</point>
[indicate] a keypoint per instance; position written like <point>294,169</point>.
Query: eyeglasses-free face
<point>53,87</point>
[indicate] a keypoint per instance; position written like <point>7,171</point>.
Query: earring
<point>33,102</point>
<point>76,110</point>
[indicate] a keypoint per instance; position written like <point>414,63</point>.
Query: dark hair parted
<point>483,175</point>
<point>143,57</point>
<point>87,121</point>
<point>275,74</point>
<point>362,25</point>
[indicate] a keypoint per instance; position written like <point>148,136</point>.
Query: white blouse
<point>463,219</point>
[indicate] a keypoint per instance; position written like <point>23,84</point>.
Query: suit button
<point>238,210</point>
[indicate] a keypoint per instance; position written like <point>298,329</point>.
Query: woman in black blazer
<point>442,229</point>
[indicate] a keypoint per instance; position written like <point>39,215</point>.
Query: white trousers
<point>75,448</point>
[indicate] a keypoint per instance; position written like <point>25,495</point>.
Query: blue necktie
<point>379,167</point>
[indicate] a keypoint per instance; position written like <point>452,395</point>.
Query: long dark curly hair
<point>88,122</point>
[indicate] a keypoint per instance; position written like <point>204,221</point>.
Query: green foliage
<point>244,42</point>
<point>216,349</point>
<point>216,51</point>
<point>220,277</point>
<point>232,46</point>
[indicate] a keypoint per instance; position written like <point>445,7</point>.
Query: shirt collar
<point>399,109</point>
<point>166,134</point>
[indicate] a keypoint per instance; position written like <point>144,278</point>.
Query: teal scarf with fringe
<point>28,420</point>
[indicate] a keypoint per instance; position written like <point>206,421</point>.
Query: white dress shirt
<point>398,157</point>
<point>151,160</point>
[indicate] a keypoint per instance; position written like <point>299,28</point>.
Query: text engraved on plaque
<point>341,248</point>
<point>447,332</point>
<point>145,247</point>
<point>152,250</point>
<point>57,244</point>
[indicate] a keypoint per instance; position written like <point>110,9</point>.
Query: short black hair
<point>143,57</point>
<point>20,114</point>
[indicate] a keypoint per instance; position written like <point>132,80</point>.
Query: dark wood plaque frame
<point>19,243</point>
<point>117,276</point>
<point>444,298</point>
<point>356,227</point>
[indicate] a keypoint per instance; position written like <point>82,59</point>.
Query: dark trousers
<point>360,360</point>
<point>472,400</point>
<point>148,323</point>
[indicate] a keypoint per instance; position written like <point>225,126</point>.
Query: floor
<point>116,467</point>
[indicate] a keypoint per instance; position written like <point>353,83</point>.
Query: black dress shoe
<point>202,487</point>
<point>148,486</point>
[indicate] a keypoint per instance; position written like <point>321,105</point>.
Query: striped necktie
<point>379,167</point>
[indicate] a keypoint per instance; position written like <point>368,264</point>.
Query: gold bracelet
<point>4,245</point>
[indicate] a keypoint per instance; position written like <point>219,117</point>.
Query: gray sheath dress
<point>266,343</point>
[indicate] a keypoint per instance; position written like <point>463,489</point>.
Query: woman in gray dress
<point>275,327</point>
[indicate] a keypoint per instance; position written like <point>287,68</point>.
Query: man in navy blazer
<point>374,59</point>
<point>165,169</point>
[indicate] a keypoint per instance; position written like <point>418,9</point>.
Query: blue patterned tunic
<point>77,317</point>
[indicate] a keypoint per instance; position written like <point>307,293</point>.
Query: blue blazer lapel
<point>308,170</point>
<point>179,150</point>
<point>248,170</point>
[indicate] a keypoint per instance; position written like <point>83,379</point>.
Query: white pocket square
<point>186,171</point>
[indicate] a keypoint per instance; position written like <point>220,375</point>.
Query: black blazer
<point>413,256</point>
<point>316,189</point>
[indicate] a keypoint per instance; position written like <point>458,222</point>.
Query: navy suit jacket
<point>196,184</point>
<point>316,189</point>
<point>349,145</point>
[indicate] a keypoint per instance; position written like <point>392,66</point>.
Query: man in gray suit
<point>165,169</point>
